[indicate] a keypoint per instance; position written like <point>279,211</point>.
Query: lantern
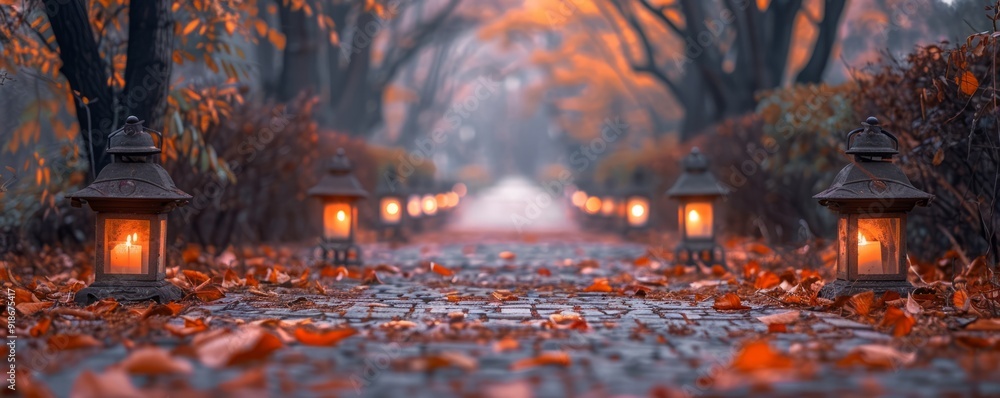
<point>871,197</point>
<point>132,197</point>
<point>637,202</point>
<point>391,206</point>
<point>339,190</point>
<point>697,191</point>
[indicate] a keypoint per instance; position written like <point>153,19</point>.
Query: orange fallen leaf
<point>759,355</point>
<point>397,324</point>
<point>778,323</point>
<point>191,326</point>
<point>441,270</point>
<point>323,337</point>
<point>992,325</point>
<point>506,255</point>
<point>641,261</point>
<point>72,342</point>
<point>169,309</point>
<point>110,383</point>
<point>209,293</point>
<point>600,285</point>
<point>29,309</point>
<point>900,321</point>
<point>728,302</point>
<point>504,295</point>
<point>103,307</point>
<point>967,83</point>
<point>154,361</point>
<point>766,280</point>
<point>568,320</point>
<point>371,278</point>
<point>554,358</point>
<point>196,278</point>
<point>41,327</point>
<point>961,300</point>
<point>861,303</point>
<point>447,359</point>
<point>506,344</point>
<point>718,271</point>
<point>191,254</point>
<point>544,271</point>
<point>228,348</point>
<point>874,356</point>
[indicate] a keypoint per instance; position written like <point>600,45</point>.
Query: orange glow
<point>430,205</point>
<point>579,198</point>
<point>126,258</point>
<point>413,206</point>
<point>608,206</point>
<point>337,220</point>
<point>460,189</point>
<point>869,256</point>
<point>638,210</point>
<point>593,205</point>
<point>452,198</point>
<point>442,201</point>
<point>699,220</point>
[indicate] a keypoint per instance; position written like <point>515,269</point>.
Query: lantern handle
<point>850,136</point>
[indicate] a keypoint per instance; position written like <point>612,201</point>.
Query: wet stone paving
<point>520,324</point>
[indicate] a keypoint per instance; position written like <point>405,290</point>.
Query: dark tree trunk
<point>813,71</point>
<point>299,59</point>
<point>85,71</point>
<point>147,73</point>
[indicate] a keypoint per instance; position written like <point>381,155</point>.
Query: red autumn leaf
<point>322,337</point>
<point>41,327</point>
<point>506,255</point>
<point>72,342</point>
<point>861,303</point>
<point>154,361</point>
<point>967,83</point>
<point>371,278</point>
<point>248,344</point>
<point>191,326</point>
<point>169,309</point>
<point>641,261</point>
<point>600,285</point>
<point>759,355</point>
<point>728,302</point>
<point>196,278</point>
<point>900,321</point>
<point>718,271</point>
<point>544,272</point>
<point>103,307</point>
<point>554,358</point>
<point>441,270</point>
<point>766,280</point>
<point>29,309</point>
<point>209,293</point>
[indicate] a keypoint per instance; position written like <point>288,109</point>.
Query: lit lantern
<point>132,197</point>
<point>413,208</point>
<point>697,190</point>
<point>390,206</point>
<point>637,202</point>
<point>339,190</point>
<point>429,205</point>
<point>871,197</point>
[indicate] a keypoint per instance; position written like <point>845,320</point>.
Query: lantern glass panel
<point>878,246</point>
<point>391,210</point>
<point>698,219</point>
<point>337,220</point>
<point>413,206</point>
<point>842,234</point>
<point>162,266</point>
<point>126,246</point>
<point>608,206</point>
<point>637,211</point>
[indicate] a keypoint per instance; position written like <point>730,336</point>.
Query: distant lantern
<point>132,197</point>
<point>637,202</point>
<point>697,190</point>
<point>871,197</point>
<point>339,190</point>
<point>390,203</point>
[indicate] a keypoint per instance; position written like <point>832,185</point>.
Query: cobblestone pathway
<point>486,332</point>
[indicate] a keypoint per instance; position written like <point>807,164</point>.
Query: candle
<point>390,210</point>
<point>337,221</point>
<point>126,258</point>
<point>699,220</point>
<point>869,256</point>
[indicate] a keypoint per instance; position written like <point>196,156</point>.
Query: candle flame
<point>392,208</point>
<point>128,240</point>
<point>638,210</point>
<point>693,216</point>
<point>341,215</point>
<point>861,239</point>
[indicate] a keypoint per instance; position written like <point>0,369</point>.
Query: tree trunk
<point>84,70</point>
<point>299,60</point>
<point>825,40</point>
<point>147,73</point>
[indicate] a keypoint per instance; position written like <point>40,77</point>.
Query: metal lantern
<point>391,207</point>
<point>637,202</point>
<point>132,197</point>
<point>697,190</point>
<point>871,197</point>
<point>339,191</point>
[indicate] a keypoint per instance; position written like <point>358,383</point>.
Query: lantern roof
<point>339,181</point>
<point>132,139</point>
<point>872,177</point>
<point>640,183</point>
<point>696,180</point>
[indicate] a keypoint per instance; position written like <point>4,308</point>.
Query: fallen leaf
<point>967,83</point>
<point>209,293</point>
<point>506,255</point>
<point>861,303</point>
<point>41,327</point>
<point>191,326</point>
<point>196,278</point>
<point>783,318</point>
<point>397,324</point>
<point>504,295</point>
<point>110,383</point>
<point>600,285</point>
<point>568,320</point>
<point>544,271</point>
<point>554,358</point>
<point>992,325</point>
<point>371,278</point>
<point>441,270</point>
<point>873,356</point>
<point>29,309</point>
<point>228,348</point>
<point>323,337</point>
<point>72,342</point>
<point>729,301</point>
<point>447,359</point>
<point>169,309</point>
<point>506,344</point>
<point>758,355</point>
<point>900,321</point>
<point>103,307</point>
<point>766,280</point>
<point>961,300</point>
<point>154,361</point>
<point>912,306</point>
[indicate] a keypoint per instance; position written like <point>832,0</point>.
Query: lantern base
<point>700,253</point>
<point>160,291</point>
<point>392,234</point>
<point>341,253</point>
<point>842,287</point>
